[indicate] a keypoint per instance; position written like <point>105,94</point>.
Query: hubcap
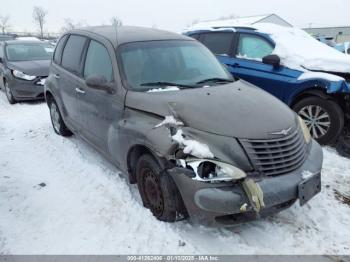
<point>55,117</point>
<point>153,192</point>
<point>316,119</point>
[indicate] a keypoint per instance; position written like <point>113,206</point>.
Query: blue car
<point>311,87</point>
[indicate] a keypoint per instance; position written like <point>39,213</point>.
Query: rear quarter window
<point>58,50</point>
<point>72,53</point>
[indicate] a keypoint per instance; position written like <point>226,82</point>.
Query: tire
<point>324,118</point>
<point>158,191</point>
<point>8,93</point>
<point>58,125</point>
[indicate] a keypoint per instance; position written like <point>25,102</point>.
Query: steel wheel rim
<point>8,91</point>
<point>55,117</point>
<point>153,192</point>
<point>316,119</point>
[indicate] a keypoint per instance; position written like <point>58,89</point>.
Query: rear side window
<point>72,54</point>
<point>253,47</point>
<point>98,61</point>
<point>58,50</point>
<point>218,43</point>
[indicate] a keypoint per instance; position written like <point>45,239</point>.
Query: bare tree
<point>4,23</point>
<point>39,15</point>
<point>69,25</point>
<point>115,21</point>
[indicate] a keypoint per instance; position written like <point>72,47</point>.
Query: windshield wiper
<point>216,79</point>
<point>161,83</point>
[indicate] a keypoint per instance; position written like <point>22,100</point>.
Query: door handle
<point>78,90</point>
<point>235,65</point>
<point>57,76</point>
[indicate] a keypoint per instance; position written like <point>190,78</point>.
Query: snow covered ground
<point>84,206</point>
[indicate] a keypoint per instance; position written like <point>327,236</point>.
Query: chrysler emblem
<point>282,132</point>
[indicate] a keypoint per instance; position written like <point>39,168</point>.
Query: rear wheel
<point>324,118</point>
<point>158,191</point>
<point>8,93</point>
<point>56,119</point>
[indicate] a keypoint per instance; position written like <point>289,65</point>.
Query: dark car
<point>24,67</point>
<point>163,109</point>
<point>315,82</point>
<point>5,37</point>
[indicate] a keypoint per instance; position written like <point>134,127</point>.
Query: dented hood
<point>239,110</point>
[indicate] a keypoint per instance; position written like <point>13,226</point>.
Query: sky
<point>172,15</point>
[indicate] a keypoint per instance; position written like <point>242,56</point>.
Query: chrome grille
<point>279,155</point>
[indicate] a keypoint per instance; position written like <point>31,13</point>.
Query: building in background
<point>339,34</point>
<point>248,21</point>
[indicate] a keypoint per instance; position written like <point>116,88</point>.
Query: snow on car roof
<point>299,50</point>
<point>296,48</point>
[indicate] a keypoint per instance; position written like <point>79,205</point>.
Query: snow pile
<point>170,120</point>
<point>309,75</point>
<point>193,147</point>
<point>298,50</point>
<point>168,88</point>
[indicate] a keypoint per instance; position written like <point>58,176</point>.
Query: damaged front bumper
<point>228,203</point>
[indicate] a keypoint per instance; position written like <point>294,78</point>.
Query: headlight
<point>214,171</point>
<point>305,130</point>
<point>22,75</point>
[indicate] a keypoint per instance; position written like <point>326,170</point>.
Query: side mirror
<point>273,60</point>
<point>100,83</point>
<point>1,60</point>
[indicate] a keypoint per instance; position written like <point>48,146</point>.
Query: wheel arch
<point>134,153</point>
<point>319,92</point>
<point>48,96</point>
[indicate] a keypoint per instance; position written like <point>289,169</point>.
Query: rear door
<point>99,109</point>
<point>70,78</point>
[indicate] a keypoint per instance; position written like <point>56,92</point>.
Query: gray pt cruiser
<point>197,142</point>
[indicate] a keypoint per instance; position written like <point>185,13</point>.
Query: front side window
<point>29,51</point>
<point>253,47</point>
<point>98,62</point>
<point>218,43</point>
<point>182,62</point>
<point>72,53</point>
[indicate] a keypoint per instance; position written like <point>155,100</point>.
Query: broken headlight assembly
<point>214,171</point>
<point>305,130</point>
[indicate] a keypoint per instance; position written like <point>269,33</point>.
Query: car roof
<point>126,34</point>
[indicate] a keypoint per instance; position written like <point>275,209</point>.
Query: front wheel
<point>57,122</point>
<point>324,118</point>
<point>158,191</point>
<point>9,94</point>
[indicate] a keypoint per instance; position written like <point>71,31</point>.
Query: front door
<point>100,110</point>
<point>247,64</point>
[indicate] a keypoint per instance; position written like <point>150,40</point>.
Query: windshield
<point>29,51</point>
<point>185,64</point>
